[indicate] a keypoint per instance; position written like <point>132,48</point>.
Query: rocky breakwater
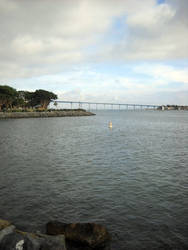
<point>14,239</point>
<point>59,236</point>
<point>63,113</point>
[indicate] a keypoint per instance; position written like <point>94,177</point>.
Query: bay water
<point>132,178</point>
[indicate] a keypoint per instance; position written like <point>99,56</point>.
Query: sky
<point>121,51</point>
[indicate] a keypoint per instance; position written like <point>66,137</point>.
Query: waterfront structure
<point>104,105</point>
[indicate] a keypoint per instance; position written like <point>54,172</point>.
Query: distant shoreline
<point>45,114</point>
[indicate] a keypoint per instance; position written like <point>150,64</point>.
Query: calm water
<point>133,178</point>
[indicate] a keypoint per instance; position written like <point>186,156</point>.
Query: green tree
<point>7,96</point>
<point>43,98</point>
<point>18,102</point>
<point>27,98</point>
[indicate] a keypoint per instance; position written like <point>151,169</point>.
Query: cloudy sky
<point>125,51</point>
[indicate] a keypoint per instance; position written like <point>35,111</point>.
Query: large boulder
<point>90,235</point>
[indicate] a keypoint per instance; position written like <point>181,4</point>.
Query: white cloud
<point>165,73</point>
<point>44,34</point>
<point>151,17</point>
<point>152,32</point>
<point>40,38</point>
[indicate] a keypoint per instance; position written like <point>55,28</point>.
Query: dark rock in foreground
<point>83,236</point>
<point>13,239</point>
<point>78,236</point>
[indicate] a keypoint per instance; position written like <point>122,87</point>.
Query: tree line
<point>10,98</point>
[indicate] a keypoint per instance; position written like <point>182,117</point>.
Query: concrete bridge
<point>104,105</point>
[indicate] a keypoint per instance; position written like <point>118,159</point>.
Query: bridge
<point>104,105</point>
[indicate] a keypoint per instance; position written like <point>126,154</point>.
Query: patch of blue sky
<point>118,31</point>
<point>93,48</point>
<point>113,69</point>
<point>178,63</point>
<point>174,85</point>
<point>128,69</point>
<point>160,1</point>
<point>123,71</point>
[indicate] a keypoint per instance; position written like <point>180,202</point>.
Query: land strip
<point>45,114</point>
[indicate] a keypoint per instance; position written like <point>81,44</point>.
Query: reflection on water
<point>131,178</point>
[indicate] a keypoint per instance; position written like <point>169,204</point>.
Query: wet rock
<point>4,223</point>
<point>55,227</point>
<point>13,239</point>
<point>52,242</point>
<point>90,235</point>
<point>6,231</point>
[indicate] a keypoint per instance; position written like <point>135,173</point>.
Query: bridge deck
<point>120,105</point>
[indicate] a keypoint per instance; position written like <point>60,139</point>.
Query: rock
<point>6,231</point>
<point>13,239</point>
<point>90,235</point>
<point>64,113</point>
<point>4,223</point>
<point>52,242</point>
<point>18,240</point>
<point>55,227</point>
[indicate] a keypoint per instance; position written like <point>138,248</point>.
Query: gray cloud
<point>40,37</point>
<point>155,32</point>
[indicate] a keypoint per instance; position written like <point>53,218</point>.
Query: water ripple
<point>133,178</point>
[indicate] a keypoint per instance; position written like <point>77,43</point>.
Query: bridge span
<point>104,105</point>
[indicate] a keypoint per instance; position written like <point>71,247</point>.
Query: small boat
<point>110,125</point>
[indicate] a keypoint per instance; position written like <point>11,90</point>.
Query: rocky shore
<point>64,113</point>
<point>59,236</point>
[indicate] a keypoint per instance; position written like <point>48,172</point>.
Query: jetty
<point>45,114</point>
